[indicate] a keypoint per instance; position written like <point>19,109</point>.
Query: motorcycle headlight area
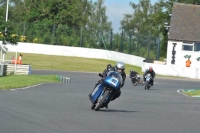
<point>148,77</point>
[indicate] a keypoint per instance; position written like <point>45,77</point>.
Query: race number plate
<point>114,81</point>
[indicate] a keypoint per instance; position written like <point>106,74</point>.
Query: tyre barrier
<point>11,69</point>
<point>63,79</point>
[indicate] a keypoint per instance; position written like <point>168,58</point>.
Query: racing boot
<point>152,83</point>
<point>106,105</point>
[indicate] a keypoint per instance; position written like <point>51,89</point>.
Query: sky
<point>116,8</point>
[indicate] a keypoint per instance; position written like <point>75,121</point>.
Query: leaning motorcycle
<point>138,80</point>
<point>105,91</point>
<point>148,81</point>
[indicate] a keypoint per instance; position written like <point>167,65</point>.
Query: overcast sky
<point>115,10</point>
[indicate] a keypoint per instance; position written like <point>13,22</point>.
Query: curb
<point>63,79</point>
<point>181,92</point>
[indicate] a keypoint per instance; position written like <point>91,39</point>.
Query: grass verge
<point>192,92</point>
<point>68,63</point>
<point>20,81</point>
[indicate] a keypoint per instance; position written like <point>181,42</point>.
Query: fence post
<point>103,43</point>
<point>81,37</point>
<point>24,28</point>
<point>130,45</point>
<point>121,44</point>
<point>138,42</point>
<point>53,34</point>
<point>158,48</point>
<point>111,36</point>
<point>148,46</point>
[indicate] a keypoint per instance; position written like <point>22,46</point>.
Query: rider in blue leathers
<point>119,67</point>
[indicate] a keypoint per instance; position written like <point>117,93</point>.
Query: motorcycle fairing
<point>96,92</point>
<point>113,82</point>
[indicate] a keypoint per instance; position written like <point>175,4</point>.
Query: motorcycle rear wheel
<point>101,100</point>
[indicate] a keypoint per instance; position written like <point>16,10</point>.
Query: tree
<point>140,17</point>
<point>7,33</point>
<point>97,28</point>
<point>140,27</point>
<point>34,18</point>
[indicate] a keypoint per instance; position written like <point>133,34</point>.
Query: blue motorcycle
<point>106,90</point>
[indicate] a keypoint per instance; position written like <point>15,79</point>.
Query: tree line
<point>84,23</point>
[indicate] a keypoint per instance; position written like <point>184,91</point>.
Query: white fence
<point>75,51</point>
<point>174,70</point>
<point>168,70</point>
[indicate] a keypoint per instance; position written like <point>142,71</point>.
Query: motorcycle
<point>138,80</point>
<point>105,91</point>
<point>148,81</point>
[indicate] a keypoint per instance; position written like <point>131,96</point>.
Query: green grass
<point>66,63</point>
<point>192,92</point>
<point>19,81</point>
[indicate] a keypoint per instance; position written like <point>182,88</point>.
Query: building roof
<point>185,23</point>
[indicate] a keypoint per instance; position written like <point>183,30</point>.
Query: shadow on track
<point>153,89</point>
<point>114,110</point>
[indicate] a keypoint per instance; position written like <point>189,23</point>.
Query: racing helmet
<point>150,68</point>
<point>109,67</point>
<point>120,66</point>
<point>131,70</point>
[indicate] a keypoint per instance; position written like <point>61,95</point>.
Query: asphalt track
<point>65,108</point>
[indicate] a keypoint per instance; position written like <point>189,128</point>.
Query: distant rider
<point>133,75</point>
<point>151,72</point>
<point>109,67</point>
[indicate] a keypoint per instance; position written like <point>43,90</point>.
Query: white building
<point>183,40</point>
<point>185,33</point>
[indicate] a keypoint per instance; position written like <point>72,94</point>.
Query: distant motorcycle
<point>106,90</point>
<point>148,82</point>
<point>138,80</point>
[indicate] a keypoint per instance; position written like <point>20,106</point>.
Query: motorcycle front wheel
<point>146,86</point>
<point>101,100</point>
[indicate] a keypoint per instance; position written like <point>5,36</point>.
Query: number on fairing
<point>114,81</point>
